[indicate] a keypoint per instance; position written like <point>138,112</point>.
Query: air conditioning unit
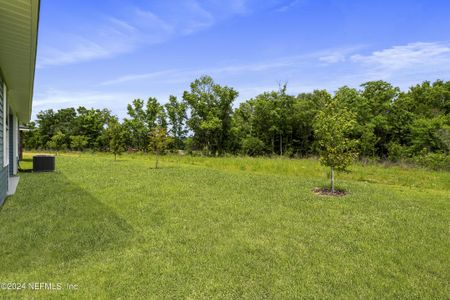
<point>43,163</point>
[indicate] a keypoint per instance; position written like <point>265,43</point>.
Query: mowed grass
<point>226,228</point>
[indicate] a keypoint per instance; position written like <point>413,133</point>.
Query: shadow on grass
<point>51,221</point>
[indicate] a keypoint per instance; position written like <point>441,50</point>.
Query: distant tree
<point>78,142</point>
<point>158,142</point>
<point>66,122</point>
<point>155,114</point>
<point>304,111</point>
<point>91,123</point>
<point>389,123</point>
<point>46,126</point>
<point>30,137</point>
<point>210,108</point>
<point>56,143</point>
<point>272,118</point>
<point>176,115</point>
<point>135,125</point>
<point>142,118</point>
<point>432,134</point>
<point>332,127</point>
<point>72,122</point>
<point>116,137</point>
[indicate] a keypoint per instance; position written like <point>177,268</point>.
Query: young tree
<point>331,127</point>
<point>116,137</point>
<point>57,141</point>
<point>78,142</point>
<point>158,142</point>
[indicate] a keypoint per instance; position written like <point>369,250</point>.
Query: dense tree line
<point>388,123</point>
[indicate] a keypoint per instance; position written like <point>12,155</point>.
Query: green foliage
<point>252,146</point>
<point>135,125</point>
<point>90,123</point>
<point>30,137</point>
<point>397,152</point>
<point>78,142</point>
<point>158,142</point>
<point>430,134</point>
<point>210,108</point>
<point>434,161</point>
<point>389,124</point>
<point>116,137</point>
<point>142,119</point>
<point>176,116</point>
<point>332,128</point>
<point>57,141</point>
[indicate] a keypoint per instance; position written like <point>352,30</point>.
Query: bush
<point>252,146</point>
<point>189,145</point>
<point>397,152</point>
<point>435,161</point>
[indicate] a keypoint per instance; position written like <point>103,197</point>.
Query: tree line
<point>382,122</point>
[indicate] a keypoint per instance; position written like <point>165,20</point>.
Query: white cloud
<point>404,65</point>
<point>57,99</point>
<point>112,38</point>
<point>112,35</point>
<point>142,76</point>
<point>288,6</point>
<point>82,50</point>
<point>287,63</point>
<point>333,58</point>
<point>328,69</point>
<point>181,75</point>
<point>405,56</point>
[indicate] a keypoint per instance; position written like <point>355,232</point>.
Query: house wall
<point>3,170</point>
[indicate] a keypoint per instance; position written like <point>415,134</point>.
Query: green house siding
<point>3,170</point>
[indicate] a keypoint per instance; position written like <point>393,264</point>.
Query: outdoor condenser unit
<point>43,163</point>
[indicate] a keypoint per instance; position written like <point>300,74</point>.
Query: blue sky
<point>103,54</point>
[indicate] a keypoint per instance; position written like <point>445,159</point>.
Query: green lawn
<point>226,228</point>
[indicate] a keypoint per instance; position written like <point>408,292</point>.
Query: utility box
<point>43,163</point>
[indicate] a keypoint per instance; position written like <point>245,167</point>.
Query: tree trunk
<point>281,144</point>
<point>115,156</point>
<point>273,145</point>
<point>332,179</point>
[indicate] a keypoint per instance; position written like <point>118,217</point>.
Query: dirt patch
<point>328,192</point>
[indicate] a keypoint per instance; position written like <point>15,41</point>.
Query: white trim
<point>15,144</point>
<point>5,131</point>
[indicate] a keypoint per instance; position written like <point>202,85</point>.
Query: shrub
<point>435,161</point>
<point>252,146</point>
<point>397,152</point>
